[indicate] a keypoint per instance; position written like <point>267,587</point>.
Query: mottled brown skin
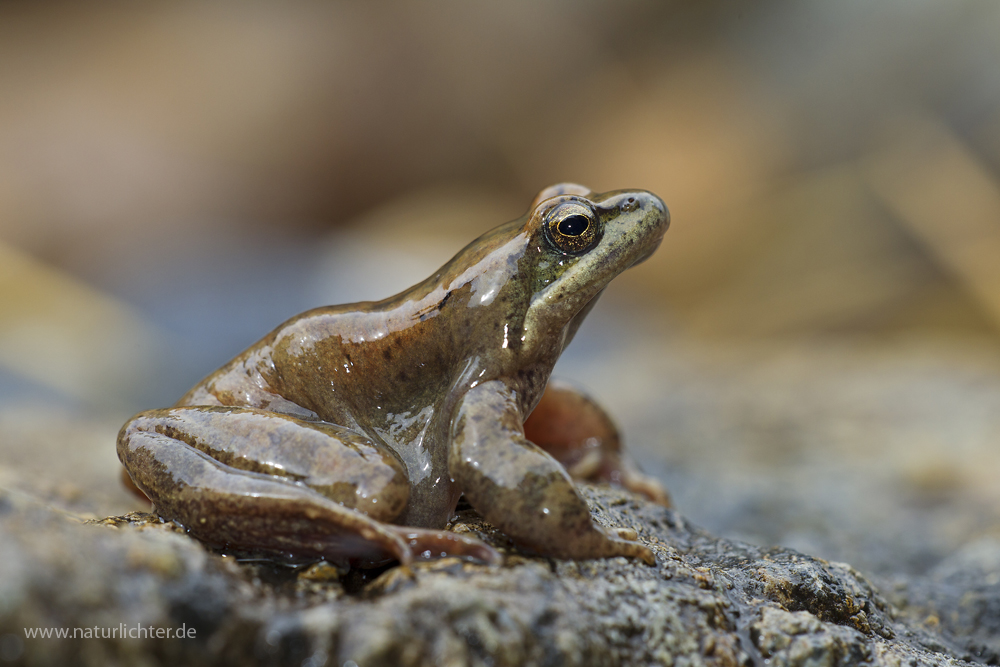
<point>349,432</point>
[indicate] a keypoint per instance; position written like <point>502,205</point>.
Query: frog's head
<point>579,241</point>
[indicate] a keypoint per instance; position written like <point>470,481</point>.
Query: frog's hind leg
<point>578,433</point>
<point>260,481</point>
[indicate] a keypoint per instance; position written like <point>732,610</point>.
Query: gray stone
<point>708,601</point>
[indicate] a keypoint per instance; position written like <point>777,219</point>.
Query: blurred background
<point>812,358</point>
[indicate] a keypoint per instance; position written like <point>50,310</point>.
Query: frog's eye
<point>572,227</point>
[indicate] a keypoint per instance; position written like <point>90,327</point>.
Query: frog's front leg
<point>577,432</point>
<point>256,480</point>
<point>520,488</point>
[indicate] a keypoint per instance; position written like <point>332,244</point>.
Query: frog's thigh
<point>337,462</point>
<point>519,487</point>
<point>577,432</point>
<point>253,479</point>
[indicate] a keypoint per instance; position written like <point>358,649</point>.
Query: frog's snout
<point>656,207</point>
<point>655,219</point>
<point>664,211</point>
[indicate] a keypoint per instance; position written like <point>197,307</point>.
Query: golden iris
<point>572,227</point>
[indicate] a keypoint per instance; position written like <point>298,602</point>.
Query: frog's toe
<point>626,533</point>
<point>632,549</point>
<point>646,486</point>
<point>430,544</point>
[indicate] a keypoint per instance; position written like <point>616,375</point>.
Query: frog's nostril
<point>629,204</point>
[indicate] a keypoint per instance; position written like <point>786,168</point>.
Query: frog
<point>350,433</point>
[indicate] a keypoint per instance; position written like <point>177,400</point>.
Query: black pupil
<point>573,225</point>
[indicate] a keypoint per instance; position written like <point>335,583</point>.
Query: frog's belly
<point>432,503</point>
<point>433,495</point>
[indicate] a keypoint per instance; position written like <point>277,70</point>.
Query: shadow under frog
<point>350,432</point>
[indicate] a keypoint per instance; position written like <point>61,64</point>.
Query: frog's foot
<point>625,533</point>
<point>618,470</point>
<point>521,489</point>
<point>622,542</point>
<point>427,544</point>
<point>630,478</point>
<point>579,434</point>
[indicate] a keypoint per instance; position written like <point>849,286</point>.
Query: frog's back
<point>340,363</point>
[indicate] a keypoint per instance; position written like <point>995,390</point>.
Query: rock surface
<point>708,601</point>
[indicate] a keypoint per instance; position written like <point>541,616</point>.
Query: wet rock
<point>707,601</point>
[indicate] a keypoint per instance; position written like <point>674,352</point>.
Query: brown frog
<point>350,432</point>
